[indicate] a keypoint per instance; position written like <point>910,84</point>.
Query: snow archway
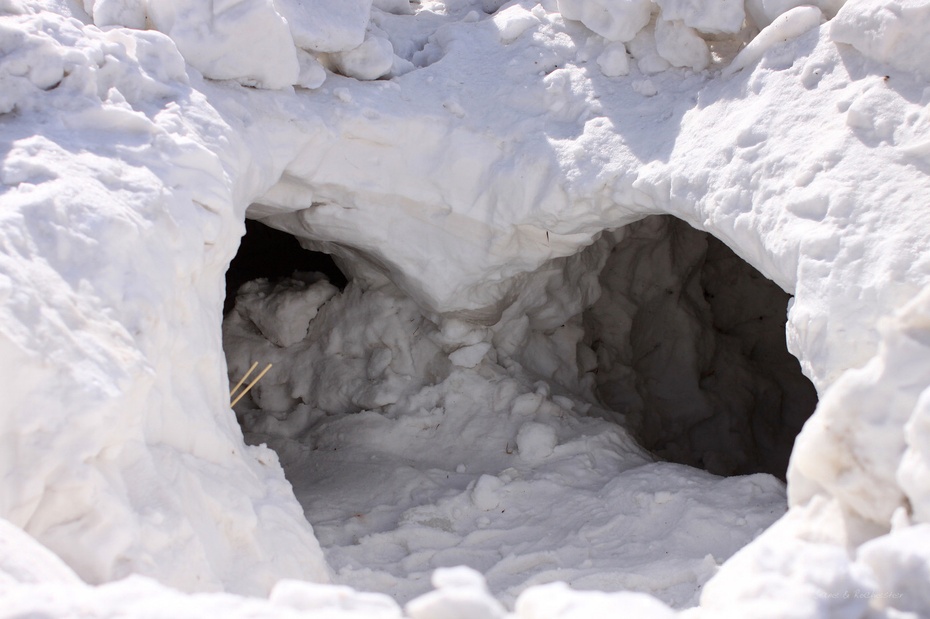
<point>272,255</point>
<point>691,354</point>
<point>396,425</point>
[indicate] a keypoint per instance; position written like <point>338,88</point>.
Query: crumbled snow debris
<point>282,311</point>
<point>506,429</point>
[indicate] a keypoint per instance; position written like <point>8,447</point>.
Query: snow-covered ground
<point>516,330</point>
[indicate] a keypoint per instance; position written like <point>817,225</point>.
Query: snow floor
<point>388,511</point>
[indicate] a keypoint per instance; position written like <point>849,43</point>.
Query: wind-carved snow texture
<point>466,189</point>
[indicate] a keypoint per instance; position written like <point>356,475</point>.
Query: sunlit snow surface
<point>441,415</point>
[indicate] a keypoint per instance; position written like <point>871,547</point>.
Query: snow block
<point>326,25</point>
<point>615,20</point>
<point>247,41</point>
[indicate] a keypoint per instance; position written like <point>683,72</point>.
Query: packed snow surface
<point>464,428</point>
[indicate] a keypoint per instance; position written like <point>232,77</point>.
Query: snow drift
<point>465,163</point>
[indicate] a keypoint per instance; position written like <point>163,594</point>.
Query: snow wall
<point>504,139</point>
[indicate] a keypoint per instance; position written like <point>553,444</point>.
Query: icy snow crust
<point>466,194</point>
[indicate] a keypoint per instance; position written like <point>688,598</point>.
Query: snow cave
<point>685,346</point>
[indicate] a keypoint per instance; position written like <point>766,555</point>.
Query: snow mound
<point>130,472</point>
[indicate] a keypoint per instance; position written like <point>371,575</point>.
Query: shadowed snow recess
<point>485,174</point>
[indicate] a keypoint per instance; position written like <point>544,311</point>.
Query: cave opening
<point>691,351</point>
<point>400,431</point>
<point>265,252</point>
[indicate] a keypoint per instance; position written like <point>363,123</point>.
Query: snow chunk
<point>369,61</point>
<point>128,13</point>
<point>558,601</point>
<point>246,41</point>
<point>484,494</point>
<point>788,26</point>
<point>643,49</point>
<point>536,441</point>
<point>512,22</point>
<point>615,20</point>
<point>312,74</point>
<point>709,16</point>
<point>283,311</point>
<point>461,593</point>
<point>681,46</point>
<point>470,356</point>
<point>613,61</point>
<point>326,25</point>
<point>892,32</point>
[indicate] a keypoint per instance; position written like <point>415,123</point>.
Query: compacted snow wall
<point>503,143</point>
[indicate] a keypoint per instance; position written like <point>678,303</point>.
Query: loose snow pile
<point>476,395</point>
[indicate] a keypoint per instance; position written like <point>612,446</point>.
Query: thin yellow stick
<point>242,380</point>
<point>252,384</point>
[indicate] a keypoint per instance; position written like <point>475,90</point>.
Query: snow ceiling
<point>476,168</point>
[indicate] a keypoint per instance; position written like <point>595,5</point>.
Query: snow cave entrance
<point>691,351</point>
<point>268,253</point>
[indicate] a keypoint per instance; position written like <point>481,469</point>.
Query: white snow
<point>711,17</point>
<point>613,61</point>
<point>618,20</point>
<point>891,33</point>
<point>460,427</point>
